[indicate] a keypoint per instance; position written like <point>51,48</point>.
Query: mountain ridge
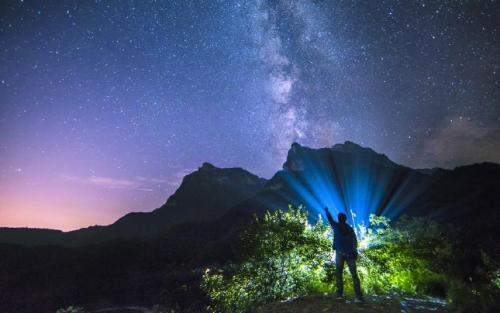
<point>210,192</point>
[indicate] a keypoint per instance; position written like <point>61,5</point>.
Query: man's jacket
<point>344,237</point>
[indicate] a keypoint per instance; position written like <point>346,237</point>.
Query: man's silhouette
<point>345,245</point>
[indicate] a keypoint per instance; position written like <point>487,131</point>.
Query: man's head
<point>342,218</point>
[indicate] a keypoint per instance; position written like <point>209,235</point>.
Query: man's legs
<point>339,270</point>
<point>351,263</point>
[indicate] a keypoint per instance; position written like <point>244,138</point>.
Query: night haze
<point>105,107</point>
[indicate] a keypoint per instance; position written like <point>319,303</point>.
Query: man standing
<point>345,245</point>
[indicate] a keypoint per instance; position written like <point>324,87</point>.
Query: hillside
<point>347,177</point>
<point>158,257</point>
<point>204,195</point>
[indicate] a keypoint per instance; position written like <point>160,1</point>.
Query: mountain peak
<point>298,153</point>
<point>207,166</point>
<point>349,146</point>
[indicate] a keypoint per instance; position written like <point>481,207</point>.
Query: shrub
<point>285,257</point>
<point>401,258</point>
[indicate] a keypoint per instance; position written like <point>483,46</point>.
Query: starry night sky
<point>106,105</point>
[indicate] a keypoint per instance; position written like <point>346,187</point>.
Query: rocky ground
<point>327,303</point>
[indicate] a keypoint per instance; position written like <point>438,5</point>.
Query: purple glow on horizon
<point>104,108</point>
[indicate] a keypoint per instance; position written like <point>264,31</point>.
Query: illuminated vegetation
<point>285,257</point>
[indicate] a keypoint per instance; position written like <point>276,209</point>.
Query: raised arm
<point>330,218</point>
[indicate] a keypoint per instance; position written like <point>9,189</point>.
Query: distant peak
<point>348,145</point>
<point>297,153</point>
<point>207,166</point>
<point>296,147</point>
<point>351,143</point>
<point>354,148</point>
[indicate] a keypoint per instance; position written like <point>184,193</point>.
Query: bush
<point>283,257</point>
<point>403,258</point>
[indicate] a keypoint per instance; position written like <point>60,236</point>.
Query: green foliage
<point>495,280</point>
<point>285,257</point>
<point>400,258</point>
<point>480,291</point>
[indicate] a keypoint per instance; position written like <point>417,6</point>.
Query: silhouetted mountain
<point>466,189</point>
<point>460,195</point>
<point>211,193</point>
<point>148,258</point>
<point>308,175</point>
<point>204,195</point>
<point>467,196</point>
<point>30,236</point>
<point>347,152</point>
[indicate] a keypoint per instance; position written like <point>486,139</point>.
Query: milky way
<point>105,106</point>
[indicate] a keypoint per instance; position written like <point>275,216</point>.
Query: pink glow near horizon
<point>68,202</point>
